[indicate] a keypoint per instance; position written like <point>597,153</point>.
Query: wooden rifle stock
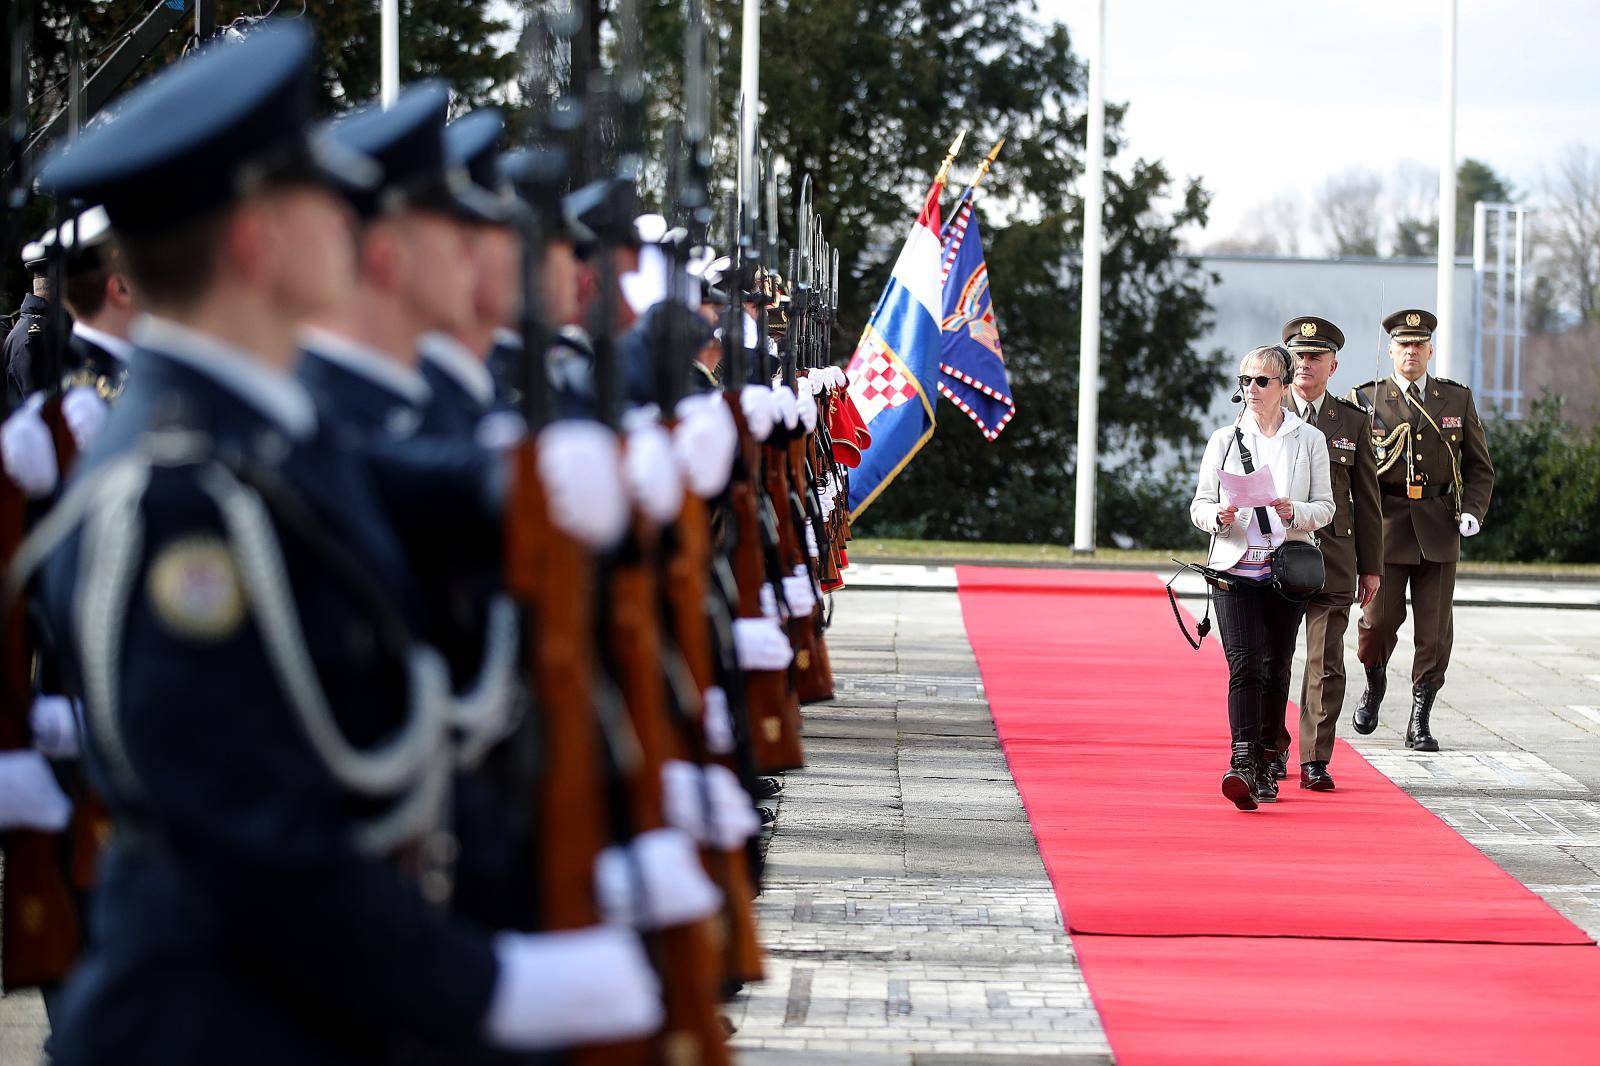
<point>552,576</point>
<point>39,938</point>
<point>774,740</point>
<point>688,575</point>
<point>792,556</point>
<point>816,684</point>
<point>685,954</point>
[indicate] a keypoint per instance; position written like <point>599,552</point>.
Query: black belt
<point>1427,492</point>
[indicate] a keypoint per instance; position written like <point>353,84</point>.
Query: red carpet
<point>1116,733</point>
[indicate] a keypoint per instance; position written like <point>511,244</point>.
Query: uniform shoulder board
<point>1457,384</point>
<point>1348,402</point>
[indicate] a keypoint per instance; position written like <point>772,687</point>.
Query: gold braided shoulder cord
<point>1455,460</point>
<point>1388,448</point>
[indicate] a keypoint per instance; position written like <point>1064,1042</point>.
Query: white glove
<point>1469,525</point>
<point>29,795</point>
<point>816,382</point>
<point>758,411</point>
<point>581,465</point>
<point>652,470</point>
<point>706,439</point>
<point>761,644</point>
<point>655,881</point>
<point>579,986</point>
<point>718,721</point>
<point>811,534</point>
<point>27,450</point>
<point>797,593</point>
<point>501,430</point>
<point>85,413</point>
<point>54,721</point>
<point>709,804</point>
<point>840,381</point>
<point>769,602</point>
<point>807,404</point>
<point>785,409</point>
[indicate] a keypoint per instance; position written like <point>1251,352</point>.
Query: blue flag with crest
<point>972,371</point>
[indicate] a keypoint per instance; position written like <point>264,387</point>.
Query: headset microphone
<point>1238,395</point>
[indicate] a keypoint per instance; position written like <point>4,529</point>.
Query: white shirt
<point>120,347</point>
<point>275,393</point>
<point>1402,384</point>
<point>458,362</point>
<point>369,363</point>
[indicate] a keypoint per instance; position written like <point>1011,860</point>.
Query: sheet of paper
<point>1245,491</point>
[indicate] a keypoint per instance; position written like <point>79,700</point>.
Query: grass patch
<point>878,549</point>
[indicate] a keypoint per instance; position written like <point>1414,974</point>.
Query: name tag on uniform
<point>1451,421</point>
<point>1344,444</point>
<point>1257,555</point>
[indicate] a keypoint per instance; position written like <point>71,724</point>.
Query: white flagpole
<point>1444,348</point>
<point>390,65</point>
<point>1089,338</point>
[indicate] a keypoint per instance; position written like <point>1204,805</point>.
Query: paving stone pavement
<point>907,916</point>
<point>906,912</point>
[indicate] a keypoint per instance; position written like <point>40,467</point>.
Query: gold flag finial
<point>983,168</point>
<point>955,148</point>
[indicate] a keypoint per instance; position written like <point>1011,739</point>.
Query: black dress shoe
<point>1239,783</point>
<point>1315,776</point>
<point>1366,719</point>
<point>768,787</point>
<point>1280,766</point>
<point>1418,736</point>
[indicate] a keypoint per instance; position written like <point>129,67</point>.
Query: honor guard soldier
<point>413,269</point>
<point>1352,544</point>
<point>261,722</point>
<point>1436,481</point>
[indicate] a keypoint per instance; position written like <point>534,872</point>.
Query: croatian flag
<point>972,372</point>
<point>896,364</point>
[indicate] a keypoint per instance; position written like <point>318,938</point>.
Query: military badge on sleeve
<point>194,589</point>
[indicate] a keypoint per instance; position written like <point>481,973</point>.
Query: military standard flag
<point>972,372</point>
<point>896,363</point>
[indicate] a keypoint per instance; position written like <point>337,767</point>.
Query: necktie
<point>1414,394</point>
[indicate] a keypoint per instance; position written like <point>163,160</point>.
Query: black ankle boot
<point>1367,710</point>
<point>1266,775</point>
<point>1239,783</point>
<point>1418,737</point>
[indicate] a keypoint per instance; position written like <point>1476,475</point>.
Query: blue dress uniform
<point>24,352</point>
<point>235,599</point>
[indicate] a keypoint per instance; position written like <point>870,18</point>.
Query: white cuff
<point>582,986</point>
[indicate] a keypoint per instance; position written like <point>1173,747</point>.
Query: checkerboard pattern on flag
<point>896,364</point>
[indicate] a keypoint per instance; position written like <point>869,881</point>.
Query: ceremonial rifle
<point>39,937</point>
<point>551,574</point>
<point>631,615</point>
<point>769,697</point>
<point>691,604</point>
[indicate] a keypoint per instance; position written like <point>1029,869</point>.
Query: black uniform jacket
<point>237,921</point>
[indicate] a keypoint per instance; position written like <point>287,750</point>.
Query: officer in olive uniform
<point>1436,479</point>
<point>1352,543</point>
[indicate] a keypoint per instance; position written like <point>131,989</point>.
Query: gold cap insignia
<point>1308,329</point>
<point>1413,319</point>
<point>194,589</point>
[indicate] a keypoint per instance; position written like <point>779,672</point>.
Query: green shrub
<point>1546,505</point>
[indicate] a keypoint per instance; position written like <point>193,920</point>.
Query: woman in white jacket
<point>1258,626</point>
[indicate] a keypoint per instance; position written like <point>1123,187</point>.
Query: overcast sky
<point>1261,96</point>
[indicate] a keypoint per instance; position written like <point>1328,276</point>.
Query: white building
<point>1256,294</point>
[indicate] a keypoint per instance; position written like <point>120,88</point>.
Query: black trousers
<point>1259,630</point>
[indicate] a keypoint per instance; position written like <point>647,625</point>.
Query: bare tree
<point>1414,209</point>
<point>1569,229</point>
<point>1272,228</point>
<point>1349,206</point>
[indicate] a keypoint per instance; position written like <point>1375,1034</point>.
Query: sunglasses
<point>1261,380</point>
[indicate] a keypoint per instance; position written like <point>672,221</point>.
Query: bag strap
<point>1263,522</point>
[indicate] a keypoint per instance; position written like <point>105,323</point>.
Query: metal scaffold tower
<point>1499,240</point>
